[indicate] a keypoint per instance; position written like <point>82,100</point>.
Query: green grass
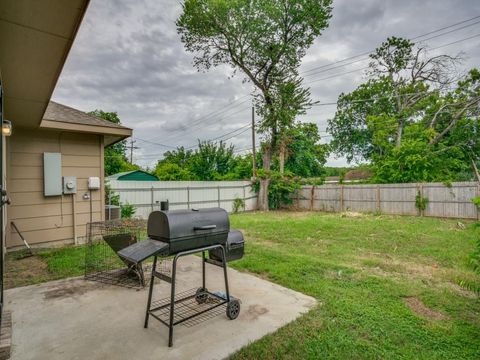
<point>54,264</point>
<point>361,269</point>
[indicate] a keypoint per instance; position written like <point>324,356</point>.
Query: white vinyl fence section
<point>146,196</point>
<point>453,201</point>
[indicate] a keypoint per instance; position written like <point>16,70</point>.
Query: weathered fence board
<point>443,201</point>
<point>146,196</point>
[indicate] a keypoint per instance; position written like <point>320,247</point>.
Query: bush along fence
<point>145,196</point>
<point>453,200</point>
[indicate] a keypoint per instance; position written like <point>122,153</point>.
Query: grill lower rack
<point>187,308</point>
<point>193,306</point>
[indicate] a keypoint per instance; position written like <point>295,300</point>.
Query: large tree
<point>265,40</point>
<point>413,120</point>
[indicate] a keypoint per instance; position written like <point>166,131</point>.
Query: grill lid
<point>175,224</point>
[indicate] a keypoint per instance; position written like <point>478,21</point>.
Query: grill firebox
<point>189,229</point>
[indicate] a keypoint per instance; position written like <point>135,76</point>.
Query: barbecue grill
<point>179,233</point>
<point>189,229</point>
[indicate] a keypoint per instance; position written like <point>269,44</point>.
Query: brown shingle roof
<point>62,113</point>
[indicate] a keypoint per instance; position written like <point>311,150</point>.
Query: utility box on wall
<point>52,174</point>
<point>93,183</point>
<point>69,185</point>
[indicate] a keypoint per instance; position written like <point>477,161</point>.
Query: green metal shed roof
<point>135,175</point>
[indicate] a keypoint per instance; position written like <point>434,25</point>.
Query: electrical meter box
<point>93,183</point>
<point>69,185</point>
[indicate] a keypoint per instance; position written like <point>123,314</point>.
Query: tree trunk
<point>398,141</point>
<point>475,170</point>
<point>264,183</point>
<point>281,157</point>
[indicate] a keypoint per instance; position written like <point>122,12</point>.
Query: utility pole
<point>254,151</point>
<point>132,147</point>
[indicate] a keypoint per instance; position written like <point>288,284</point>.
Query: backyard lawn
<point>387,287</point>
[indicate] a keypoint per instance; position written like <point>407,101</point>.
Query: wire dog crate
<point>104,239</point>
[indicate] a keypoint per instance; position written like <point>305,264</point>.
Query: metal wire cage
<point>104,239</point>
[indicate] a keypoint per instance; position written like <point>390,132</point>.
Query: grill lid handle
<point>205,227</point>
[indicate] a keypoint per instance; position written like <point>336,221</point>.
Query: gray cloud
<point>128,58</point>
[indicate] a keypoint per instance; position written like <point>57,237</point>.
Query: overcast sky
<point>128,58</point>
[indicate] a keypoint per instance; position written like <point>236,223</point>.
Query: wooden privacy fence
<point>453,201</point>
<point>146,196</point>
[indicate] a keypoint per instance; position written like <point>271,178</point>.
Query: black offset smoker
<point>184,232</point>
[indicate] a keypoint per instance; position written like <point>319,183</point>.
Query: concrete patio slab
<point>78,319</point>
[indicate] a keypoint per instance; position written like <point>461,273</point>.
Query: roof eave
<point>112,134</point>
<point>32,55</point>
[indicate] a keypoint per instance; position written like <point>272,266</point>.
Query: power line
<point>456,42</point>
<point>229,115</point>
<point>212,114</point>
<point>221,136</point>
<point>368,53</point>
<point>374,98</point>
<point>364,68</point>
<point>328,67</point>
<point>413,38</point>
<point>155,143</point>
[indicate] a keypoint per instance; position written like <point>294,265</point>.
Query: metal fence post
<point>188,197</point>
<point>312,197</point>
<point>151,197</point>
<point>378,198</point>
<point>341,198</point>
<point>421,195</point>
<point>478,206</point>
<point>244,199</point>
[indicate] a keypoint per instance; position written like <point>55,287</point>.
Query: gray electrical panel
<point>52,174</point>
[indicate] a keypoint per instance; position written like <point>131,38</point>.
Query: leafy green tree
<point>166,171</point>
<point>406,120</point>
<point>211,160</point>
<point>115,160</point>
<point>306,157</point>
<point>265,40</point>
<point>241,170</point>
<point>180,156</point>
<point>175,165</point>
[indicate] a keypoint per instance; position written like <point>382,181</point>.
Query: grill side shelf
<point>142,250</point>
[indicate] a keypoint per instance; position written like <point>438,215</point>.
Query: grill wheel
<point>201,295</point>
<point>233,309</point>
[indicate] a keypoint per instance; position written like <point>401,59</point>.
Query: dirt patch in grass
<point>386,265</point>
<point>353,214</point>
<point>26,271</point>
<point>419,308</point>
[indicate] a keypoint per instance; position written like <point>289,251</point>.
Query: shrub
<point>238,204</point>
<point>111,197</point>
<point>281,189</point>
<point>421,202</point>
<point>476,201</point>
<point>128,211</point>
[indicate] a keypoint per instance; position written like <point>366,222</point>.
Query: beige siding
<point>46,220</point>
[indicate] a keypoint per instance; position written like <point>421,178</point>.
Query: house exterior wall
<point>49,221</point>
